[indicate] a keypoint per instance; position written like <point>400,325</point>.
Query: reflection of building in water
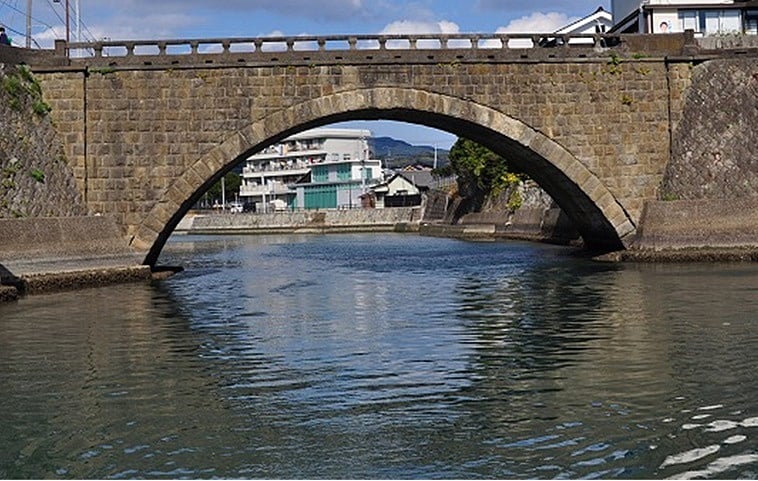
<point>704,17</point>
<point>316,169</point>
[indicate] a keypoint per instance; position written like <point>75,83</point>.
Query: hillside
<point>398,153</point>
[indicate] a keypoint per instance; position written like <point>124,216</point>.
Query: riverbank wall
<point>50,254</point>
<point>405,219</point>
<point>521,212</point>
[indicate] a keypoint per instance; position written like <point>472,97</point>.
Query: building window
<point>711,21</point>
<point>320,174</point>
<point>751,22</point>
<point>343,172</point>
<point>345,156</point>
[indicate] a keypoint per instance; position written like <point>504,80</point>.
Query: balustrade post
<point>352,43</point>
<point>321,44</point>
<point>162,48</point>
<point>194,45</point>
<point>412,41</point>
<point>129,49</point>
<point>226,44</point>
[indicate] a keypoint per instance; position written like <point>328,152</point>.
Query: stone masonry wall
<point>144,128</point>
<point>714,154</point>
<point>35,178</point>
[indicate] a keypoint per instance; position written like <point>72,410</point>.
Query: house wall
<point>341,147</point>
<point>401,184</point>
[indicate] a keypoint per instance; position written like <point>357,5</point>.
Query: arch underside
<point>596,214</point>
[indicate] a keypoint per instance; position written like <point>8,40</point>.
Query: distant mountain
<point>398,153</point>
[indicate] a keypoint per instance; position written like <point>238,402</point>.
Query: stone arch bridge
<point>148,126</point>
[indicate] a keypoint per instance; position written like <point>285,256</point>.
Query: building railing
<point>279,189</point>
<point>280,168</point>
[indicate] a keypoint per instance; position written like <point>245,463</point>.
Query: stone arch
<point>598,216</point>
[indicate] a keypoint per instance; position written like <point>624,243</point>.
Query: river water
<point>385,356</point>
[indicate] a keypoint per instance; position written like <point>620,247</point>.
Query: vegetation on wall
<point>481,173</point>
<point>21,85</point>
<point>35,178</point>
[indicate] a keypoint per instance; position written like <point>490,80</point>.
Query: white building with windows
<point>315,169</point>
<point>704,17</point>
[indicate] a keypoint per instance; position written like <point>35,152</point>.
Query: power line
<point>78,15</point>
<point>36,20</point>
<point>87,33</point>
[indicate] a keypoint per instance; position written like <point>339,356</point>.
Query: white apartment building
<point>315,169</point>
<point>705,17</point>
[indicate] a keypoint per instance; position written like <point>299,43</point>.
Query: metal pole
<point>28,23</point>
<point>68,25</point>
<point>223,194</point>
<point>78,21</point>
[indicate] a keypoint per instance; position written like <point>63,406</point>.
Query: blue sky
<point>149,19</point>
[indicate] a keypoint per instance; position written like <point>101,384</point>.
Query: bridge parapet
<point>427,48</point>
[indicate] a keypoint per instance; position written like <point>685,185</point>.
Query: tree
<point>232,182</point>
<point>480,171</point>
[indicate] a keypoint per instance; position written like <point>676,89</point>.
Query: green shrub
<point>37,175</point>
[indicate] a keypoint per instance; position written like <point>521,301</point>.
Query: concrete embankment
<point>356,220</point>
<point>50,254</point>
<point>714,230</point>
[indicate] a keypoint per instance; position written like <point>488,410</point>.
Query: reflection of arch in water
<point>598,217</point>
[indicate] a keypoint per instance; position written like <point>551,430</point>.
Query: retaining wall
<point>363,219</point>
<point>713,223</point>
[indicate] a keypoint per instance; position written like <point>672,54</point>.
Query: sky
<point>184,19</point>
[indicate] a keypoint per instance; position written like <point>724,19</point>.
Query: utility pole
<point>223,194</point>
<point>28,23</point>
<point>68,25</point>
<point>78,21</point>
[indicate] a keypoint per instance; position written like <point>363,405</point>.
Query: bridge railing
<point>336,43</point>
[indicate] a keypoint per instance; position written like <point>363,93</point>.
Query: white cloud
<point>416,27</point>
<point>411,27</point>
<point>536,22</point>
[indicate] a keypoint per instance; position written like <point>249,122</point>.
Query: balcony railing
<point>250,190</point>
